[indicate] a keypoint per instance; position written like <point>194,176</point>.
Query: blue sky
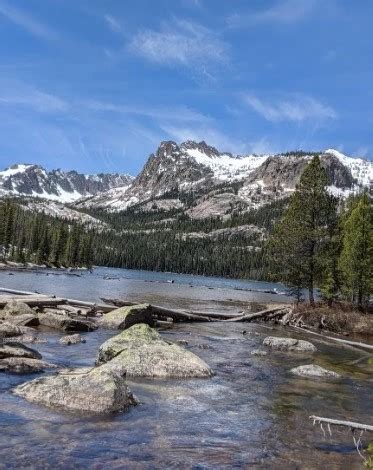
<point>96,85</point>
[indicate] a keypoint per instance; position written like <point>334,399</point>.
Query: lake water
<point>252,414</point>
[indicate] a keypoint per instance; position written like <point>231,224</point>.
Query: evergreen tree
<point>299,239</point>
<point>356,261</point>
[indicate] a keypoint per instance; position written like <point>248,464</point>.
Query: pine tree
<point>356,261</point>
<point>298,241</point>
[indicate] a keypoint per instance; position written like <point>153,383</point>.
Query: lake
<point>252,414</point>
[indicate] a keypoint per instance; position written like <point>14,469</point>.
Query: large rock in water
<point>23,365</point>
<point>65,323</point>
<point>15,307</point>
<point>125,317</point>
<point>141,352</point>
<point>288,344</point>
<point>96,390</point>
<point>313,370</point>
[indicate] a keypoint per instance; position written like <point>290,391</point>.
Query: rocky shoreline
<point>138,350</point>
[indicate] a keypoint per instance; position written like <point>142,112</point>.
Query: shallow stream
<point>252,414</point>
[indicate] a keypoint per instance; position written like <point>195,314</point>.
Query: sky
<point>96,85</point>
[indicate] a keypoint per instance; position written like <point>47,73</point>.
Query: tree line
<point>324,242</point>
<point>27,236</point>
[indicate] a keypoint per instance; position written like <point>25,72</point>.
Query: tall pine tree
<point>356,261</point>
<point>299,238</point>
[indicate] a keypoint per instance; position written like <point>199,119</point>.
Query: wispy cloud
<point>19,94</point>
<point>113,24</point>
<point>27,22</point>
<point>180,113</point>
<point>294,107</point>
<point>182,42</point>
<point>283,12</point>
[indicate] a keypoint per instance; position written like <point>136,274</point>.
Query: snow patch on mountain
<point>225,166</point>
<point>56,185</point>
<point>361,170</point>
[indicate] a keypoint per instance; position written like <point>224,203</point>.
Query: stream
<point>252,414</point>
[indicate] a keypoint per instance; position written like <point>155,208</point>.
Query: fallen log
<point>118,302</point>
<point>73,302</point>
<point>31,301</point>
<point>259,315</point>
<point>81,303</point>
<point>125,303</point>
<point>336,422</point>
<point>20,292</point>
<point>177,315</point>
<point>339,340</point>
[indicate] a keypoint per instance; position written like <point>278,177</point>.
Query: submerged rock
<point>16,307</point>
<point>289,344</point>
<point>18,350</point>
<point>141,352</point>
<point>24,365</point>
<point>125,317</point>
<point>258,352</point>
<point>72,339</point>
<point>65,323</point>
<point>96,390</point>
<point>313,370</point>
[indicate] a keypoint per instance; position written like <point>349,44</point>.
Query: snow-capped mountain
<point>192,177</point>
<point>58,185</point>
<point>207,175</point>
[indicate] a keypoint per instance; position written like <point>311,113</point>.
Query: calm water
<point>252,414</point>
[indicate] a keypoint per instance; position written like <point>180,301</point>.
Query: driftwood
<point>33,301</point>
<point>118,302</point>
<point>124,303</point>
<point>178,315</point>
<point>339,340</point>
<point>336,422</point>
<point>269,313</point>
<point>26,297</point>
<point>351,425</point>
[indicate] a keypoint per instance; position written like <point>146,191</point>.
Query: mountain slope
<point>218,183</point>
<point>33,180</point>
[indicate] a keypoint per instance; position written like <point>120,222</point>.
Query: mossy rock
<point>141,352</point>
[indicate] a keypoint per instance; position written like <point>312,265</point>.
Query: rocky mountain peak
<point>34,180</point>
<point>201,147</point>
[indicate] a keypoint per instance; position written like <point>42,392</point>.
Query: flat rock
<point>65,323</point>
<point>16,307</point>
<point>313,370</point>
<point>95,390</point>
<point>125,317</point>
<point>27,338</point>
<point>141,352</point>
<point>288,344</point>
<point>18,350</point>
<point>72,339</point>
<point>24,365</point>
<point>24,319</point>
